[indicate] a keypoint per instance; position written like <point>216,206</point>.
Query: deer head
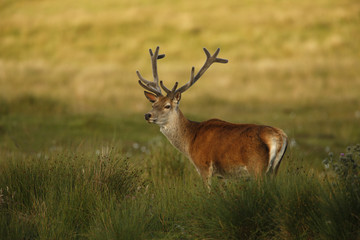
<point>164,107</point>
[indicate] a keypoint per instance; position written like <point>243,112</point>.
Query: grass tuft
<point>54,196</point>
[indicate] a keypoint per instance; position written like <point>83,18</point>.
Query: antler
<point>209,60</point>
<point>154,85</point>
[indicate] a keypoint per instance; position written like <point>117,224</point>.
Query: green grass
<point>105,195</point>
<point>78,161</point>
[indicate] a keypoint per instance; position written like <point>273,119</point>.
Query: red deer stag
<point>213,146</point>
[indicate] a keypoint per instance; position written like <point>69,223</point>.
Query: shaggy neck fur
<point>178,131</point>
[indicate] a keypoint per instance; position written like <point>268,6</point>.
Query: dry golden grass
<point>86,53</point>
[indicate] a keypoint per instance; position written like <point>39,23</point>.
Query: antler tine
<point>165,88</point>
<point>154,85</point>
<point>209,60</point>
<point>150,86</point>
<point>174,88</point>
<point>150,89</point>
<point>154,65</point>
<point>170,93</point>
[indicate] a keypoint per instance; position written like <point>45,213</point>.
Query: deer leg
<point>206,174</point>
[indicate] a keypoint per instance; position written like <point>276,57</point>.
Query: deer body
<point>213,146</point>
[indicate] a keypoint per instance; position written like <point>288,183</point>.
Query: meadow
<point>78,160</point>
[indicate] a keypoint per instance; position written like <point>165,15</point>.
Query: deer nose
<point>147,116</point>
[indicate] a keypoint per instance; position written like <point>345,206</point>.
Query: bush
<point>341,206</point>
<point>346,167</point>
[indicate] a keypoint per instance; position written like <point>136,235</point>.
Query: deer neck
<point>178,131</point>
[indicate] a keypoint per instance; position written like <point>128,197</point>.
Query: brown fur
<point>213,146</point>
<point>219,147</point>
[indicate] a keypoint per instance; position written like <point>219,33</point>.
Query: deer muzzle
<point>147,116</point>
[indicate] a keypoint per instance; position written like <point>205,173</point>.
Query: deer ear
<point>151,97</point>
<point>177,97</point>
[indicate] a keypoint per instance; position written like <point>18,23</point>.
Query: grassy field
<point>78,161</point>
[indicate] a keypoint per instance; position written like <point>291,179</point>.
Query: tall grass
<point>104,196</point>
<point>56,195</point>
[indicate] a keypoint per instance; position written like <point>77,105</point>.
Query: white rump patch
<point>280,154</point>
<point>272,156</point>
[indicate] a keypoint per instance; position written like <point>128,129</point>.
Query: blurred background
<point>67,69</point>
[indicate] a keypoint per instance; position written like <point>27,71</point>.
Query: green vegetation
<point>78,161</point>
<point>100,195</point>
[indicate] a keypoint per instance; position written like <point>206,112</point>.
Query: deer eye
<point>167,106</point>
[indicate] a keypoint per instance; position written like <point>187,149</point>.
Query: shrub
<point>341,206</point>
<point>346,167</point>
